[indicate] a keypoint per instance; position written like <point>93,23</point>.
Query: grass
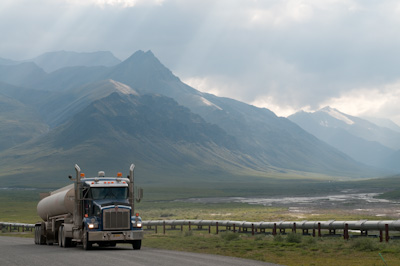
<point>19,206</point>
<point>282,249</point>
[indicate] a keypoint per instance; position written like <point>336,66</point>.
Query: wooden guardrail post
<point>319,229</point>
<point>346,232</point>
<point>216,227</point>
<point>164,227</point>
<point>387,232</point>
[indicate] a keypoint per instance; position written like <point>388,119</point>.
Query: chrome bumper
<point>115,236</point>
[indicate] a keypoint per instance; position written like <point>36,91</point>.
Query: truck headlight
<point>93,226</point>
<point>136,221</point>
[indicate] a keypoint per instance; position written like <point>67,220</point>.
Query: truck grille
<point>116,219</point>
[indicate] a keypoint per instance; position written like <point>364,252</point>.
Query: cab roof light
<point>119,174</point>
<point>82,175</point>
<point>137,214</point>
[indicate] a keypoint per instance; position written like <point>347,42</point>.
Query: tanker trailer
<point>95,210</point>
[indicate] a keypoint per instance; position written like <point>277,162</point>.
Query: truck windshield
<point>99,193</point>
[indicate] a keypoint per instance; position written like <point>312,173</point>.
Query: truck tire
<point>61,236</point>
<point>66,242</point>
<point>39,238</point>
<point>36,235</point>
<point>87,245</point>
<point>137,244</point>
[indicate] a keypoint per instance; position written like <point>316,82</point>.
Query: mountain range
<point>364,141</point>
<point>109,115</point>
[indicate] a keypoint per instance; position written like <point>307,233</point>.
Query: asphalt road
<point>22,251</point>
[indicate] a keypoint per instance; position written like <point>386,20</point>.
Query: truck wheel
<point>39,239</point>
<point>65,241</point>
<point>61,236</point>
<point>36,235</point>
<point>87,245</point>
<point>137,244</point>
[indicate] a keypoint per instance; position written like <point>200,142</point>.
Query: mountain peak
<point>337,115</point>
<point>140,56</point>
<point>141,70</point>
<point>328,109</point>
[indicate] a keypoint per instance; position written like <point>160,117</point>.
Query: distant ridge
<point>55,60</point>
<point>364,141</point>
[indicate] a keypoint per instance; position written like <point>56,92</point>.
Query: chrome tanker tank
<point>59,202</point>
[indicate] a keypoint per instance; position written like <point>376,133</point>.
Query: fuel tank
<point>59,202</point>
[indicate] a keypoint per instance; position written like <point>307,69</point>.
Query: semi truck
<point>92,210</point>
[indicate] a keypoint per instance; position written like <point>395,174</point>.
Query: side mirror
<point>139,194</point>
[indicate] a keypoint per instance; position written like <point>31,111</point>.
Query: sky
<point>284,55</point>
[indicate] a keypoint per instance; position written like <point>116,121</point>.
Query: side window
<point>95,210</point>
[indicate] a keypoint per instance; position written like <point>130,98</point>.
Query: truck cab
<point>107,215</point>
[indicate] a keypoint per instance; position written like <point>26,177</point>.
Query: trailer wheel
<point>36,236</point>
<point>137,244</point>
<point>87,245</point>
<point>39,238</point>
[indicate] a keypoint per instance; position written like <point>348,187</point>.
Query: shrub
<point>229,236</point>
<point>365,244</point>
<point>188,233</point>
<point>294,238</point>
<point>310,240</point>
<point>278,238</point>
<point>164,215</point>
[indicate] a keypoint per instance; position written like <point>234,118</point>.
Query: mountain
<point>140,111</point>
<point>74,100</point>
<point>260,133</point>
<point>362,140</point>
<point>23,74</point>
<point>151,130</point>
<point>55,60</point>
<point>384,123</point>
<point>18,122</point>
<point>4,61</point>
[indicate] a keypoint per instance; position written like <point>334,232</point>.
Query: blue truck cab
<point>108,216</point>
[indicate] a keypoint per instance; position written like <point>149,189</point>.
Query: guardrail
<point>16,227</point>
<point>363,227</point>
<point>316,227</point>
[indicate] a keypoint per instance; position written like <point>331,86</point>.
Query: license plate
<point>117,235</point>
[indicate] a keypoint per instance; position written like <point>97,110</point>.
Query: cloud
<point>115,3</point>
<point>280,54</point>
<point>378,101</point>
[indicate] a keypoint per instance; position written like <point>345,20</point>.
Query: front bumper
<point>118,236</point>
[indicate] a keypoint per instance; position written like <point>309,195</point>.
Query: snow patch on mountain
<point>338,115</point>
<point>207,102</point>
